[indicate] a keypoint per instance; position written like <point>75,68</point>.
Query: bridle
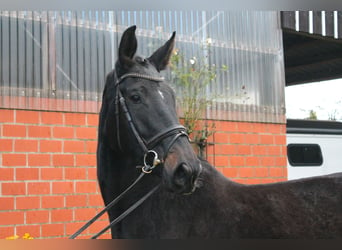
<point>150,157</point>
<point>146,146</point>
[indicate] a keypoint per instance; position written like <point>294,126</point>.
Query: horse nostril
<point>182,175</point>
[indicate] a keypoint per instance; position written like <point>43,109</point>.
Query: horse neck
<point>214,183</point>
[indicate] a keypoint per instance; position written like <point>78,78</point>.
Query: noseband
<point>145,145</point>
<point>150,159</point>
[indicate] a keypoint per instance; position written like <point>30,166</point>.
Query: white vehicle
<point>313,148</point>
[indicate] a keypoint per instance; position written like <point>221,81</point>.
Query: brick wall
<point>48,184</point>
<point>48,174</point>
<point>249,153</point>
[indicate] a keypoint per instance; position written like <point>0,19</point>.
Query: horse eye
<point>136,98</point>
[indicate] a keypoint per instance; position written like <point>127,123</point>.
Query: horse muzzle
<point>184,178</point>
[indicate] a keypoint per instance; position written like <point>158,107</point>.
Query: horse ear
<point>160,58</point>
<point>128,47</point>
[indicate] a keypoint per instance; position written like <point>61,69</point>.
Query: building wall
<point>249,153</point>
<point>48,184</point>
<point>47,173</point>
<point>57,60</point>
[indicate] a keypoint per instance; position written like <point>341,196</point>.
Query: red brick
<point>281,179</point>
<point>225,149</point>
<point>51,173</point>
<point>283,129</point>
<point>52,201</point>
<point>86,133</point>
<point>6,115</point>
<point>71,228</point>
<point>6,174</point>
<point>280,161</point>
<point>267,161</point>
<point>33,230</point>
<point>280,139</point>
<point>63,187</point>
<point>50,146</point>
<point>252,161</point>
<point>225,126</point>
<point>230,172</point>
<point>92,120</point>
<point>84,213</point>
<point>39,131</point>
<point>277,172</point>
<point>64,132</point>
<point>14,130</point>
<point>95,200</point>
<point>221,161</point>
<point>266,181</point>
<point>37,216</point>
<point>92,173</point>
<point>75,119</point>
<point>246,172</point>
<point>14,160</point>
<point>259,150</point>
<point>22,174</point>
<point>266,139</point>
<point>86,160</point>
<point>63,160</point>
<point>274,128</point>
<point>274,150</point>
<point>252,139</point>
<point>75,173</point>
<point>237,138</point>
<point>38,188</point>
<point>52,229</point>
<point>6,203</point>
<point>52,118</point>
<point>27,116</point>
<point>252,181</point>
<point>86,186</point>
<point>261,172</point>
<point>91,146</point>
<point>244,127</point>
<point>13,188</point>
<point>210,149</point>
<point>6,145</point>
<point>241,181</point>
<point>243,149</point>
<point>76,201</point>
<point>39,160</point>
<point>6,231</point>
<point>259,127</point>
<point>27,202</point>
<point>283,149</point>
<point>61,215</point>
<point>237,161</point>
<point>221,138</point>
<point>210,159</point>
<point>74,146</point>
<point>11,218</point>
<point>25,145</point>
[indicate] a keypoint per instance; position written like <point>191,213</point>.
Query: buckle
<point>151,160</point>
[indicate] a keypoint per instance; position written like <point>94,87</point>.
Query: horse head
<point>141,116</point>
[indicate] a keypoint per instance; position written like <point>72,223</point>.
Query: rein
<point>151,159</point>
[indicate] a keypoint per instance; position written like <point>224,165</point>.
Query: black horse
<point>194,200</point>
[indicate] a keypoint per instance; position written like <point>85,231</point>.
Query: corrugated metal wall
<point>58,60</point>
